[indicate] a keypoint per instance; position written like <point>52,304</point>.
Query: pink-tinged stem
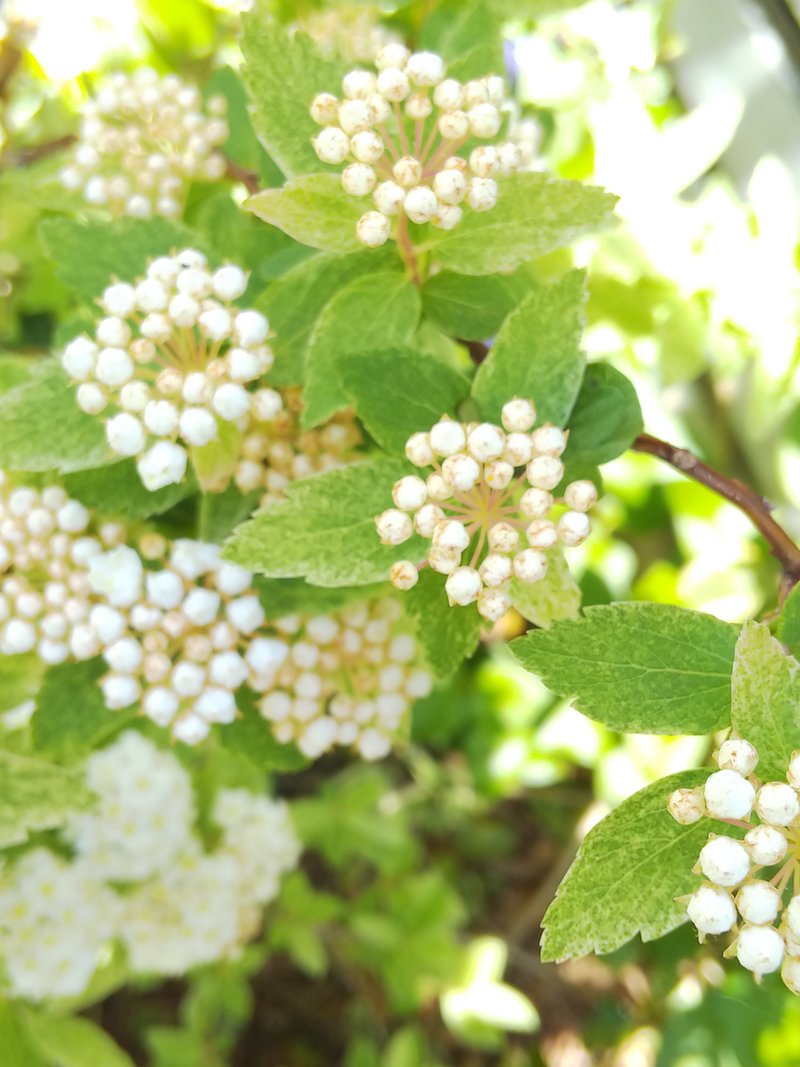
<point>401,129</point>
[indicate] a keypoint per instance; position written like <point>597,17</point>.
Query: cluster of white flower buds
<point>174,635</point>
<point>351,32</point>
<point>762,910</point>
<point>405,157</point>
<point>172,362</point>
<point>347,678</point>
<point>142,140</point>
<point>279,452</point>
<point>47,544</point>
<point>493,487</point>
<point>142,876</point>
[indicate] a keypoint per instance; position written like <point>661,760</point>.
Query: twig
<point>238,174</point>
<point>478,351</point>
<point>23,157</point>
<point>740,495</point>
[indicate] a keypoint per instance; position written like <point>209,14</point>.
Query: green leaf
<point>398,391</point>
<point>221,513</point>
<point>290,596</point>
<point>20,678</point>
<point>325,530</point>
<point>242,146</point>
<point>35,795</point>
<point>645,668</point>
<point>788,627</point>
<point>117,490</point>
<point>537,353</point>
<point>472,307</point>
<point>14,370</point>
<point>626,876</point>
<point>71,716</point>
<point>314,210</point>
<point>88,255</point>
<point>251,736</point>
<point>32,412</point>
<point>555,598</point>
<point>765,699</point>
<point>283,73</point>
<point>606,417</point>
<point>75,1042</point>
<point>374,311</point>
<point>15,1044</point>
<point>534,215</point>
<point>448,635</point>
<point>294,303</point>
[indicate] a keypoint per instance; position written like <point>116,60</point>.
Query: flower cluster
<point>172,363</point>
<point>175,632</point>
<point>141,875</point>
<point>341,679</point>
<point>405,157</point>
<point>492,486</point>
<point>47,543</point>
<point>279,452</point>
<point>142,140</point>
<point>735,895</point>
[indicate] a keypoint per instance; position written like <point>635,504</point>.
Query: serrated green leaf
<point>251,736</point>
<point>626,876</point>
<point>15,369</point>
<point>89,254</point>
<point>71,716</point>
<point>645,668</point>
<point>294,302</point>
<point>242,146</point>
<point>74,1042</point>
<point>448,635</point>
<point>472,307</point>
<point>537,353</point>
<point>20,678</point>
<point>606,417</point>
<point>325,529</point>
<point>15,1044</point>
<point>290,596</point>
<point>398,391</point>
<point>788,628</point>
<point>221,513</point>
<point>35,795</point>
<point>313,210</point>
<point>373,312</point>
<point>765,699</point>
<point>533,215</point>
<point>283,73</point>
<point>117,490</point>
<point>31,412</point>
<point>555,598</point>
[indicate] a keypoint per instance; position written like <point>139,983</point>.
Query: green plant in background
<point>318,684</point>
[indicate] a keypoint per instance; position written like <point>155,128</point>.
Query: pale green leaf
<point>71,716</point>
<point>398,391</point>
<point>75,1042</point>
<point>555,598</point>
<point>20,678</point>
<point>534,214</point>
<point>645,668</point>
<point>626,876</point>
<point>448,635</point>
<point>16,1046</point>
<point>35,795</point>
<point>325,529</point>
<point>537,353</point>
<point>606,417</point>
<point>313,210</point>
<point>373,312</point>
<point>765,699</point>
<point>472,307</point>
<point>788,627</point>
<point>290,596</point>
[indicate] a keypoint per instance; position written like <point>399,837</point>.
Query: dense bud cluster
<point>399,130</point>
<point>180,629</point>
<point>341,679</point>
<point>351,31</point>
<point>142,140</point>
<point>279,452</point>
<point>141,875</point>
<point>174,362</point>
<point>490,493</point>
<point>735,895</point>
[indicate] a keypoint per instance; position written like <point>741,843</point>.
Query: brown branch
<point>238,174</point>
<point>757,509</point>
<point>478,351</point>
<point>23,157</point>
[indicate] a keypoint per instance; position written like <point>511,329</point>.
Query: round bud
<point>409,493</point>
<point>454,126</point>
<point>393,84</point>
<point>502,537</point>
<point>367,146</point>
<point>484,120</point>
<point>420,204</point>
<point>332,145</point>
<point>712,910</point>
<point>463,586</point>
<point>373,229</point>
<point>403,575</point>
<point>549,441</point>
<point>581,496</point>
<point>394,527</point>
<point>767,844</point>
<point>418,450</point>
<point>728,795</point>
<point>114,367</point>
<point>392,55</point>
<point>449,95</point>
<point>486,442</point>
<point>493,604</point>
<point>790,973</point>
<point>541,533</point>
<point>324,109</point>
<point>498,474</point>
<point>426,519</point>
<point>389,197</point>
<point>447,437</point>
<point>163,464</point>
<point>483,161</point>
<point>425,68</point>
<point>419,107</point>
<point>358,84</point>
<point>358,179</point>
<point>444,560</point>
<point>251,328</point>
<point>482,194</point>
<point>724,861</point>
<point>79,358</point>
<point>438,488</point>
<point>760,949</point>
<point>793,774</point>
<point>777,803</point>
<point>461,472</point>
<point>125,434</point>
<point>535,503</point>
<point>447,217</point>
<point>686,806</point>
<point>573,528</point>
<point>545,472</point>
<point>231,401</point>
<point>758,902</point>
<point>495,570</point>
<point>450,186</point>
<point>530,566</point>
<point>355,116</point>
<point>451,535</point>
<point>518,415</point>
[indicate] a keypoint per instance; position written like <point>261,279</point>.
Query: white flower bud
<point>245,614</point>
<point>550,441</point>
<point>425,68</point>
<point>530,566</point>
<point>17,636</point>
<point>454,125</point>
<point>113,332</point>
<point>790,973</point>
<point>712,910</point>
<point>266,404</point>
<point>393,84</point>
<point>216,705</point>
<point>462,586</point>
<point>216,323</point>
<point>535,503</point>
<point>134,396</point>
<point>392,55</point>
<point>728,795</point>
<point>438,488</point>
<point>324,109</point>
<point>201,606</point>
<point>358,84</point>
<point>161,418</point>
<point>449,95</point>
<point>545,472</point>
<point>163,464</point>
<point>768,845</point>
<point>758,902</point>
<point>420,204</point>
<point>120,691</point>
<point>117,575</point>
<point>502,537</point>
<point>183,310</point>
<point>447,217</point>
<point>482,194</point>
<point>229,283</point>
<point>447,437</point>
<point>509,159</point>
<point>461,472</point>
<point>760,949</point>
<point>198,426</point>
<point>266,654</point>
<point>331,145</point>
<point>724,861</point>
<point>427,518</point>
<point>156,327</point>
<point>495,570</point>
<point>394,527</point>
<point>686,806</point>
<point>233,580</point>
<point>79,359</point>
<point>484,120</point>
<point>450,186</point>
<point>419,107</point>
<point>403,575</point>
<point>580,496</point>
<point>161,705</point>
<point>793,773</point>
<point>124,656</point>
<point>418,450</point>
<point>243,365</point>
<point>355,116</point>
<point>114,367</point>
<point>486,442</point>
<point>373,229</point>
<point>358,179</point>
<point>451,535</point>
<point>251,328</point>
<point>91,398</point>
<point>444,560</point>
<point>777,803</point>
<point>541,533</point>
<point>498,474</point>
<point>518,415</point>
<point>231,401</point>
<point>72,517</point>
<point>191,729</point>
<point>408,171</point>
<point>493,604</point>
<point>409,493</point>
<point>125,434</point>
